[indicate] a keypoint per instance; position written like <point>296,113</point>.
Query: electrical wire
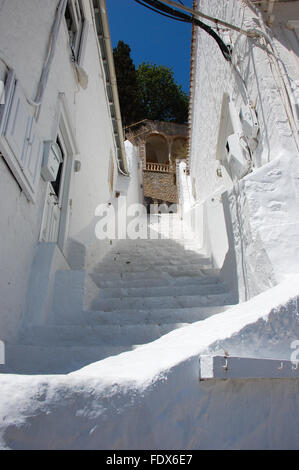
<point>217,21</point>
<point>157,11</point>
<point>290,107</point>
<point>180,16</point>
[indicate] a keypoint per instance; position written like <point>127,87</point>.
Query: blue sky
<point>152,37</point>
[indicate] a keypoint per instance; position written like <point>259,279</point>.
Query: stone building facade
<point>160,145</point>
<point>160,185</point>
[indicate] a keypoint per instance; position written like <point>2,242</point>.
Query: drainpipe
<point>112,79</point>
<point>270,16</point>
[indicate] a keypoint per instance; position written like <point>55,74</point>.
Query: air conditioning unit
<point>237,157</point>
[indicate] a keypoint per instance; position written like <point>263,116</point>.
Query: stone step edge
<point>200,296</point>
<point>93,317</point>
<point>216,285</point>
<point>163,282</point>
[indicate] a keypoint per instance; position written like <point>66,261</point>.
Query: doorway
<point>56,213</point>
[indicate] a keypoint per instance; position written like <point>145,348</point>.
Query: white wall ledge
<point>227,367</point>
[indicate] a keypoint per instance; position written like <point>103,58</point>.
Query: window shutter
<point>18,125</point>
<point>21,134</point>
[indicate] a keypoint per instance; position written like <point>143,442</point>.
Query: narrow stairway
<point>144,289</point>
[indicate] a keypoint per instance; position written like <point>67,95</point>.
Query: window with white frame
<point>75,20</point>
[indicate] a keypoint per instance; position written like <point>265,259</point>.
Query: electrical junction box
<point>237,157</point>
<point>249,121</point>
<point>51,160</point>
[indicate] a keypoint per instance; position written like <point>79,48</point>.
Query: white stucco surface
<point>151,398</point>
<point>103,338</point>
<point>24,32</point>
<point>255,232</point>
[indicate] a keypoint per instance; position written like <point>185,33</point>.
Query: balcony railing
<point>160,167</point>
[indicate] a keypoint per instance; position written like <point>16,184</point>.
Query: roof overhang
<point>103,34</point>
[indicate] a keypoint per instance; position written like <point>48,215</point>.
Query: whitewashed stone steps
<point>144,276</point>
<point>137,250</point>
<point>159,244</point>
<point>153,261</point>
<point>162,244</point>
<point>180,269</point>
<point>138,269</point>
<point>167,281</point>
<point>141,290</point>
<point>145,246</point>
<point>175,273</point>
<point>169,247</point>
<point>161,263</point>
<point>157,316</point>
<point>166,302</point>
<point>162,291</point>
<point>151,248</point>
<point>191,271</point>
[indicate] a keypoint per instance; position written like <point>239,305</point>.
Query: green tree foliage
<point>162,98</point>
<point>131,104</point>
<point>150,92</point>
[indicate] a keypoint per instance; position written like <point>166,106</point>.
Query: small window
<point>57,183</point>
<point>74,17</point>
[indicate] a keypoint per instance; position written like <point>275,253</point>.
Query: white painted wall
<point>135,189</point>
<point>257,227</point>
<point>184,187</point>
<point>151,397</point>
<point>131,192</point>
<point>19,228</point>
<point>24,36</point>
